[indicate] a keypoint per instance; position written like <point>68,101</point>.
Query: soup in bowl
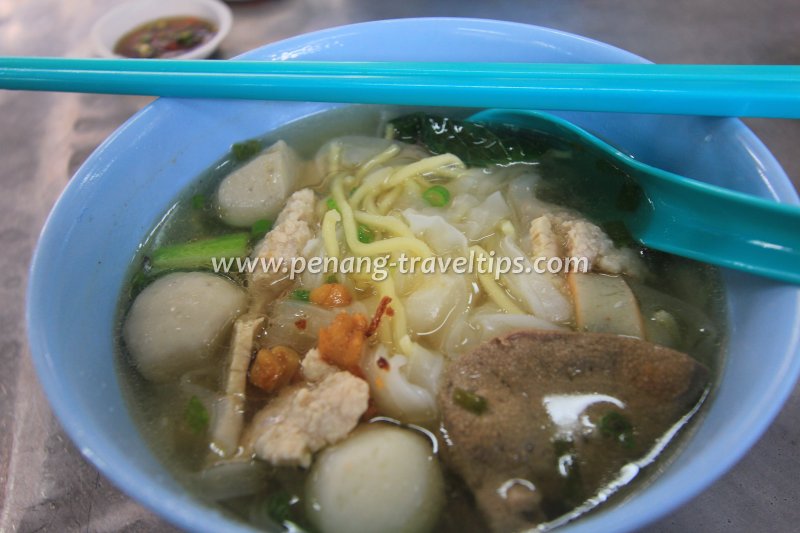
<point>336,398</point>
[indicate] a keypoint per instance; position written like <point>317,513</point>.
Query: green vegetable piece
<point>246,149</point>
<point>617,426</point>
<point>301,294</point>
<point>437,196</point>
<point>279,505</point>
<point>331,204</point>
<point>196,415</point>
<point>474,403</point>
<point>474,143</point>
<point>332,279</point>
<point>199,201</point>
<point>199,254</point>
<point>260,228</point>
<point>365,234</point>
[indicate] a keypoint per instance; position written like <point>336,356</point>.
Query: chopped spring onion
<point>199,201</point>
<point>196,415</point>
<point>260,228</point>
<point>474,403</point>
<point>437,196</point>
<point>278,506</point>
<point>332,279</point>
<point>365,234</point>
<point>200,253</point>
<point>331,204</point>
<point>245,149</point>
<point>186,37</point>
<point>618,427</point>
<point>301,294</point>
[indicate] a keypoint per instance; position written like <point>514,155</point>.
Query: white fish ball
<point>381,478</point>
<point>258,189</point>
<point>176,323</point>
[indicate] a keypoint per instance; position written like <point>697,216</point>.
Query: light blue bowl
<point>128,183</point>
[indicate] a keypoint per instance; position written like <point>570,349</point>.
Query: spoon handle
<point>720,226</point>
<point>714,90</point>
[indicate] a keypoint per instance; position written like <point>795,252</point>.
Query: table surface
<point>45,484</point>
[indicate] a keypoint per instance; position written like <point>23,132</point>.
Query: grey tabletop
<point>46,485</point>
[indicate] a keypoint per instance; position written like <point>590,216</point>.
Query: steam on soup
<point>432,328</point>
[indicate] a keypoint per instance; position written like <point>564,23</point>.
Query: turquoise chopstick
<point>714,90</point>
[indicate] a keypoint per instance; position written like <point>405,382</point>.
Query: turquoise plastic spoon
<point>684,216</point>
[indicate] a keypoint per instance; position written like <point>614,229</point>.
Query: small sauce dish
<point>178,29</point>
